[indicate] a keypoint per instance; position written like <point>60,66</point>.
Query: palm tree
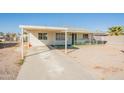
<point>116,30</point>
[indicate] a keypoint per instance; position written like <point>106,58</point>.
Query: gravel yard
<point>9,59</point>
<point>101,61</point>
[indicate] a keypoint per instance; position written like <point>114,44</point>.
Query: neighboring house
<point>2,39</point>
<point>44,35</point>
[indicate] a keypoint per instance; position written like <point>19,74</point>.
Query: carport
<point>25,28</point>
<point>29,28</point>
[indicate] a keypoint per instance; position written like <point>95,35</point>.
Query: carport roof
<point>68,29</point>
<point>27,27</point>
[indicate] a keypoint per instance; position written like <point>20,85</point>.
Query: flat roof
<point>100,33</point>
<point>79,30</point>
<point>29,27</point>
<point>68,29</point>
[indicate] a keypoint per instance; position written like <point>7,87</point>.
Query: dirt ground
<point>9,59</point>
<point>101,61</point>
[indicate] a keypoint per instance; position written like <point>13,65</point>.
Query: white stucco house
<point>45,35</point>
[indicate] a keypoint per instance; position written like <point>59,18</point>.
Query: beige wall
<point>61,42</point>
<point>79,36</point>
<point>34,41</point>
<point>99,38</point>
<point>51,39</point>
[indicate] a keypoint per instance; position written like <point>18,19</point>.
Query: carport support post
<point>74,39</point>
<point>91,36</point>
<point>66,42</point>
<point>22,50</point>
<point>28,39</point>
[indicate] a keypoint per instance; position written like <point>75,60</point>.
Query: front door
<point>74,38</point>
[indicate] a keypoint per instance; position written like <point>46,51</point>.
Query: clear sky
<point>9,22</point>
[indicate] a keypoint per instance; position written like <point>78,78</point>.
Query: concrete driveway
<point>43,63</point>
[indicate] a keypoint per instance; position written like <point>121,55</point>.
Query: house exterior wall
<point>81,40</point>
<point>61,42</point>
<point>99,38</point>
<point>34,41</point>
<point>51,38</point>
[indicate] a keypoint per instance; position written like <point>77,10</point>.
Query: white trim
<point>22,50</point>
<point>29,35</point>
<point>62,29</point>
<point>74,38</point>
<point>42,27</point>
<point>66,42</point>
<point>60,36</point>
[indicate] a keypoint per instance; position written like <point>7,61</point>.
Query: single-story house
<point>2,38</point>
<point>45,35</point>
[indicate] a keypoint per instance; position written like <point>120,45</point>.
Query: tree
<point>1,34</point>
<point>116,30</point>
<point>8,36</point>
<point>13,36</point>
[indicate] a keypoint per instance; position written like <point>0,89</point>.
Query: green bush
<point>21,62</point>
<point>0,40</point>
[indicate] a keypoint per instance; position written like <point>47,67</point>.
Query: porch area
<point>55,36</point>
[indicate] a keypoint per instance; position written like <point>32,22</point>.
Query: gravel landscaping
<point>9,63</point>
<point>101,61</point>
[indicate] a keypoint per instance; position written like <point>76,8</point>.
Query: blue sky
<point>9,22</point>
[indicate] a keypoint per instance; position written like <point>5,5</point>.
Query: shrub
<point>21,62</point>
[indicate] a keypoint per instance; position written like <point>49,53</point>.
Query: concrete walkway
<point>42,63</point>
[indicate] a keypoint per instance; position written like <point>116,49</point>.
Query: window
<point>85,36</point>
<point>60,36</point>
<point>80,36</point>
<point>42,36</point>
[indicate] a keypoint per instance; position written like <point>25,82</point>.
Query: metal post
<point>29,40</point>
<point>102,39</point>
<point>91,38</point>
<point>22,50</point>
<point>65,42</point>
<point>74,39</point>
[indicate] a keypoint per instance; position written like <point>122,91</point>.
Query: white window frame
<point>60,36</point>
<point>42,36</point>
<point>84,36</point>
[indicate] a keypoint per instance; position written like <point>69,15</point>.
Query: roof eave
<point>41,27</point>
